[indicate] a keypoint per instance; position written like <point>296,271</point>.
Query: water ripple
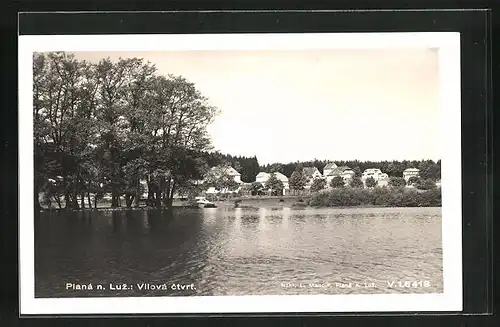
<point>241,251</point>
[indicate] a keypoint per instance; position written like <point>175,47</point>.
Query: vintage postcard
<point>240,173</point>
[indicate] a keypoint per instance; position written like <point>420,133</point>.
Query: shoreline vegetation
<point>380,197</point>
<point>341,198</point>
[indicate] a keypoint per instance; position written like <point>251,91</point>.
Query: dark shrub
<point>356,182</point>
<point>318,185</point>
<point>379,196</point>
<point>431,198</point>
<point>371,182</point>
<point>426,184</point>
<point>413,180</point>
<point>397,182</point>
<point>337,182</point>
<point>411,198</point>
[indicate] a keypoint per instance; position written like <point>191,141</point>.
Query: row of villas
<point>330,171</point>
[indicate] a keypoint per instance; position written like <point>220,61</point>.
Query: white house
<point>311,173</point>
<point>377,174</point>
<point>330,167</point>
<point>331,170</point>
<point>383,180</point>
<point>348,174</point>
<point>410,172</point>
<point>231,172</point>
<point>263,177</point>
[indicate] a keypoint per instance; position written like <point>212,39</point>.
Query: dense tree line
<point>429,169</point>
<point>102,128</point>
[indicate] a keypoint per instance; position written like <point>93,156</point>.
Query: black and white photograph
<point>240,173</point>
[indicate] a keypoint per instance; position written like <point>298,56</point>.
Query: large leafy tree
<point>426,184</point>
<point>337,182</point>
<point>356,182</point>
<point>112,121</point>
<point>219,179</point>
<point>179,130</point>
<point>371,182</point>
<point>62,108</point>
<point>274,185</point>
<point>318,184</point>
<point>397,182</point>
<point>256,188</point>
<point>297,180</point>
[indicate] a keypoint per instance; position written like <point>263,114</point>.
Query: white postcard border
<point>448,45</point>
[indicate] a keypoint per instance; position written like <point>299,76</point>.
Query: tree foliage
<point>256,188</point>
<point>337,182</point>
<point>385,197</point>
<point>219,179</point>
<point>356,182</point>
<point>276,168</point>
<point>397,182</point>
<point>371,182</point>
<point>274,185</point>
<point>426,184</point>
<point>297,180</point>
<point>413,180</point>
<point>318,185</point>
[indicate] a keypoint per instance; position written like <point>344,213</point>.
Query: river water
<point>227,251</point>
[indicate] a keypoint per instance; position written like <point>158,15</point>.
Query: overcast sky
<point>284,106</point>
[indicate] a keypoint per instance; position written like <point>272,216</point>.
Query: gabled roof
<point>281,177</point>
<point>338,171</point>
<point>228,170</point>
<point>231,171</point>
<point>412,169</point>
<point>330,165</point>
<point>266,176</point>
<point>309,171</point>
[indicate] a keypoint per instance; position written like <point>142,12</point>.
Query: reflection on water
<point>225,251</point>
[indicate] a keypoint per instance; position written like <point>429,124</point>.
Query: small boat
<point>204,203</point>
